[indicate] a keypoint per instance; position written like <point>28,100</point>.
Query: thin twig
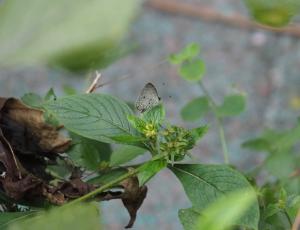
<point>211,15</point>
<point>213,107</point>
<point>93,86</point>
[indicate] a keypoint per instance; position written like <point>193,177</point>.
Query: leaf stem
<point>213,107</point>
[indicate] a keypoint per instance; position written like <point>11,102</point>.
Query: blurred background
<point>60,44</point>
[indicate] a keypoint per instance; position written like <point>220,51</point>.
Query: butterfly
<point>148,98</point>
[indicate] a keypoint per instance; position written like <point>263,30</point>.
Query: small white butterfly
<point>148,98</point>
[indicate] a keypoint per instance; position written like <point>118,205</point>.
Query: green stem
<point>213,107</point>
<point>103,188</point>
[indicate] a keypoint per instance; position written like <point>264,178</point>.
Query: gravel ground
<point>263,65</point>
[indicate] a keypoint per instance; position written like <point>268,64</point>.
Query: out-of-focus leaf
<point>192,71</point>
<point>275,13</point>
<point>125,153</point>
<point>187,53</point>
<point>233,105</point>
<point>7,218</point>
<point>226,211</point>
<point>73,34</point>
<point>76,217</point>
<point>195,109</point>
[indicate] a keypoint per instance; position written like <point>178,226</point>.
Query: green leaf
<point>50,95</point>
<point>204,184</point>
<point>227,211</point>
<point>149,169</point>
<point>155,115</point>
<point>107,177</point>
<point>275,13</point>
<point>130,140</point>
<point>67,35</point>
<point>233,105</point>
<point>187,53</point>
<point>199,132</point>
<point>195,109</point>
<point>192,71</point>
<point>125,153</point>
<point>257,144</point>
<point>32,100</point>
<point>95,116</point>
<point>89,153</point>
<point>188,218</point>
<point>77,217</point>
<point>7,218</point>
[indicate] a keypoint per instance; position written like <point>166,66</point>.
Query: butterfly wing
<point>148,98</point>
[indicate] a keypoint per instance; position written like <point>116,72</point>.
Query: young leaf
<point>82,216</point>
<point>149,169</point>
<point>227,210</point>
<point>50,95</point>
<point>187,53</point>
<point>233,105</point>
<point>204,184</point>
<point>188,218</point>
<point>195,109</point>
<point>138,123</point>
<point>192,71</point>
<point>125,153</point>
<point>199,132</point>
<point>155,115</point>
<point>96,116</point>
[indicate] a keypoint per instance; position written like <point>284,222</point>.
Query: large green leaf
<point>96,116</point>
<point>7,218</point>
<point>204,184</point>
<point>74,34</point>
<point>83,216</point>
<point>192,71</point>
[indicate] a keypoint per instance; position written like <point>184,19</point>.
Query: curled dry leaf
<point>133,197</point>
<point>27,145</point>
<point>47,136</point>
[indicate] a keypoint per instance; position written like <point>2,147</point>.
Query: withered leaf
<point>133,197</point>
<point>48,137</point>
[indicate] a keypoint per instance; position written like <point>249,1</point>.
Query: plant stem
<point>213,107</point>
<point>90,195</point>
<point>104,187</point>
